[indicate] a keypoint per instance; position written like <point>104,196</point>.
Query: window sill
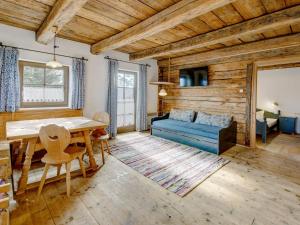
<point>43,108</point>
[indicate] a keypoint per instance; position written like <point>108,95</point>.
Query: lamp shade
<point>54,64</point>
<point>162,93</point>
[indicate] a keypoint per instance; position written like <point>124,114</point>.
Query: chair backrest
<point>55,139</point>
<point>102,117</point>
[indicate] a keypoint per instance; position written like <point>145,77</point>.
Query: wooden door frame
<point>253,69</point>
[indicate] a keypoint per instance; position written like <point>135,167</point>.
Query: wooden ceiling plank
<point>172,16</point>
<point>292,2</point>
<point>62,12</point>
<point>198,26</point>
<point>89,28</point>
<point>212,20</point>
<point>279,31</point>
<point>228,14</point>
<point>96,17</point>
<point>238,50</point>
<point>296,28</point>
<point>31,4</point>
<point>273,5</point>
<point>157,39</point>
<point>27,17</point>
<point>71,34</point>
<point>158,5</point>
<point>182,31</point>
<point>17,22</point>
<point>47,2</point>
<point>112,13</point>
<point>254,26</point>
<point>249,9</point>
<point>134,8</point>
<point>19,10</point>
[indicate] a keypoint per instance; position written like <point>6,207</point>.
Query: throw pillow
<point>182,115</point>
<point>213,120</point>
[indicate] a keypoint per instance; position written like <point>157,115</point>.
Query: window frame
<point>65,103</point>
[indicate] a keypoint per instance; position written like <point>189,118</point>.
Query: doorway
<point>273,105</point>
<point>126,103</point>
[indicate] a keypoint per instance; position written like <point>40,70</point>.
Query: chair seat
<point>72,151</point>
<point>75,151</point>
<point>103,137</point>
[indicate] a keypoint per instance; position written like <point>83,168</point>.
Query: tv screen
<point>194,77</point>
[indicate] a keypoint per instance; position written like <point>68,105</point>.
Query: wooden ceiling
<point>101,19</point>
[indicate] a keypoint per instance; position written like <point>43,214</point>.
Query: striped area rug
<point>176,167</point>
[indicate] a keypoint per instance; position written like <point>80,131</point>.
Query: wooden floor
<point>256,187</point>
<point>285,144</point>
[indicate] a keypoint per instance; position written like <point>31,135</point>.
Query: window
<point>126,100</point>
<point>42,86</point>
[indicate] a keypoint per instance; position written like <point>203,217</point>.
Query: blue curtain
<point>113,67</point>
<point>141,117</point>
<point>9,80</point>
<point>78,88</point>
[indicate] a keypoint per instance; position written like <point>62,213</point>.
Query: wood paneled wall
<point>35,114</point>
<point>226,94</point>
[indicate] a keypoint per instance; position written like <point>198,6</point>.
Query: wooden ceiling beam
<point>236,51</point>
<point>62,12</point>
<point>254,26</point>
<point>172,16</point>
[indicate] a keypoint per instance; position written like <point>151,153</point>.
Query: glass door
<point>126,101</point>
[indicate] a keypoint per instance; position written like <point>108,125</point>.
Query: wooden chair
<point>56,141</point>
<point>104,118</point>
<point>4,189</point>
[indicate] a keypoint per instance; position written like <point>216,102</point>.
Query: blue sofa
<point>205,137</point>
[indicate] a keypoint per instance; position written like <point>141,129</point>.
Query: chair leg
<point>58,170</point>
<point>68,178</point>
<point>43,179</point>
<point>102,152</point>
<point>107,146</point>
<point>82,166</point>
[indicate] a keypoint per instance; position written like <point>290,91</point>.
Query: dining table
<point>27,131</point>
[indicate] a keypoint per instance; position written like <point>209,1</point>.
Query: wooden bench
<point>5,172</point>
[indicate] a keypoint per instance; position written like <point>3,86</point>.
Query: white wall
<point>281,86</point>
<point>96,79</point>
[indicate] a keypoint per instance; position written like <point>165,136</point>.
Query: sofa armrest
<point>227,137</point>
<point>166,116</point>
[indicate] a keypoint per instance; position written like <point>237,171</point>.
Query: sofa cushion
<point>213,120</point>
<point>188,128</point>
<point>182,115</point>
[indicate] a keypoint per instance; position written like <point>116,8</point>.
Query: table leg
<point>89,148</point>
<point>26,166</point>
<point>22,149</point>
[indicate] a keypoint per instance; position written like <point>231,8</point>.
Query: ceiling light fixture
<point>54,63</point>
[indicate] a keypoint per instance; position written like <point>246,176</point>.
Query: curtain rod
<point>49,53</point>
<point>107,57</point>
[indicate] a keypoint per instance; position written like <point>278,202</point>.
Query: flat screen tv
<point>194,77</point>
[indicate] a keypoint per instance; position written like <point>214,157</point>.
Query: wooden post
<point>253,69</point>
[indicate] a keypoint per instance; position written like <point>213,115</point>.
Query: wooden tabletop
<point>30,128</point>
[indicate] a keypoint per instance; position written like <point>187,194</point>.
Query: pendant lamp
<point>54,63</point>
